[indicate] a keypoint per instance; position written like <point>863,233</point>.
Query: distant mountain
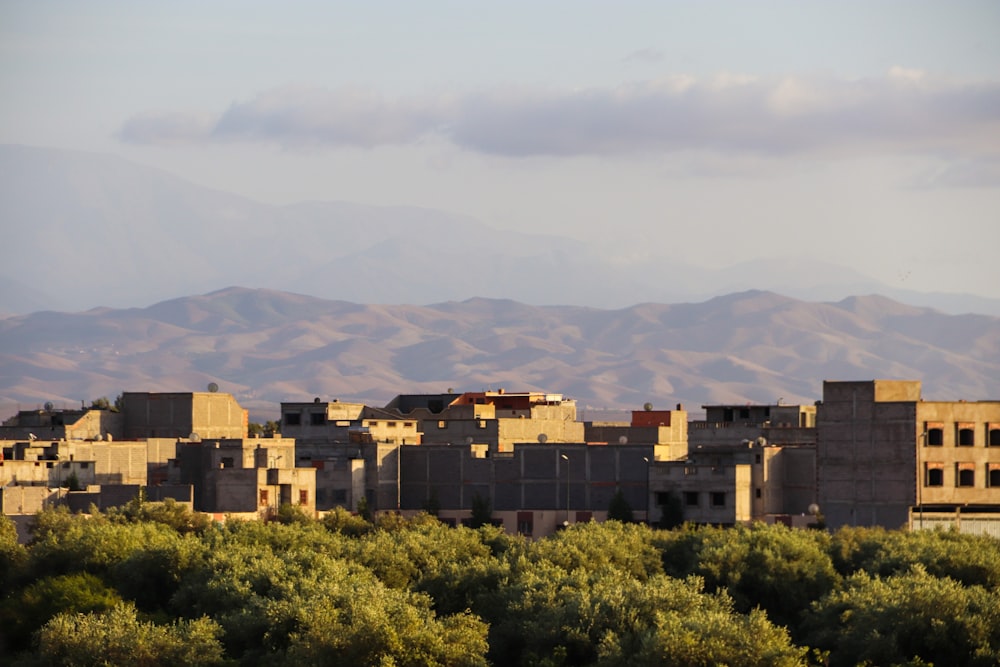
<point>266,347</point>
<point>82,230</point>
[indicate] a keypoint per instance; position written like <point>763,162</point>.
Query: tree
<point>671,511</point>
<point>619,509</point>
<point>101,403</point>
<point>118,637</point>
<point>482,511</point>
<point>910,618</point>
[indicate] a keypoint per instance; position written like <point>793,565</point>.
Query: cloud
<point>905,111</point>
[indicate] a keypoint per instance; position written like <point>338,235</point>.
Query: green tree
<point>777,568</point>
<point>910,618</point>
<point>619,508</point>
<point>101,403</point>
<point>119,637</point>
<point>671,511</point>
<point>482,511</point>
<point>27,611</point>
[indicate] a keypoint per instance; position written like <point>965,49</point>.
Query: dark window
<point>935,477</point>
<point>263,496</point>
<point>756,458</point>
<point>757,493</point>
<point>994,437</point>
<point>744,413</point>
<point>303,497</point>
<point>227,461</point>
<point>966,437</point>
<point>85,464</point>
<point>293,419</point>
<point>718,499</point>
<point>691,498</point>
<point>935,436</point>
<point>727,414</point>
<point>966,477</point>
<point>407,424</point>
<point>340,495</point>
<point>994,478</point>
<point>317,418</point>
<point>525,523</point>
<point>663,497</point>
<point>391,424</point>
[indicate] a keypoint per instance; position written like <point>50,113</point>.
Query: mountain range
<point>84,230</point>
<point>266,346</point>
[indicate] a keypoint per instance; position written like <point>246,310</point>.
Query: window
<point>391,424</point>
<point>744,413</point>
<point>718,499</point>
<point>691,498</point>
<point>966,435</point>
<point>263,497</point>
<point>227,461</point>
<point>407,424</point>
<point>935,437</point>
<point>993,475</point>
<point>994,435</point>
<point>756,458</point>
<point>525,523</point>
<point>966,475</point>
<point>340,495</point>
<point>756,493</point>
<point>935,477</point>
<point>303,497</point>
<point>442,423</point>
<point>317,418</point>
<point>292,419</point>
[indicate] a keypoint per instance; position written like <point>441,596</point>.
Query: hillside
<point>266,347</point>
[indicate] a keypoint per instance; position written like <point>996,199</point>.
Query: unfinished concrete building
<point>887,457</point>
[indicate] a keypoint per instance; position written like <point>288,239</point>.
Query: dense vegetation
<point>154,584</point>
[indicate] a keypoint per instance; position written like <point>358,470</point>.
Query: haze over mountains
<point>84,230</point>
<point>267,346</point>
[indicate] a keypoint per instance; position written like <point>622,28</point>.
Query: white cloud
<point>905,111</point>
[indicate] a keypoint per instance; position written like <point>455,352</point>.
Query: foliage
<point>482,511</point>
<point>970,559</point>
<point>671,511</point>
<point>266,430</point>
<point>777,568</point>
<point>119,637</point>
<point>619,509</point>
<point>34,605</point>
<point>340,520</point>
<point>906,618</point>
<point>154,583</point>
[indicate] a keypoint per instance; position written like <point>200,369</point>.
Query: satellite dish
<point>762,441</point>
<point>648,407</point>
<point>623,440</point>
<point>316,400</point>
<point>468,440</point>
<point>212,387</point>
<point>49,406</point>
<point>542,438</point>
<point>194,437</point>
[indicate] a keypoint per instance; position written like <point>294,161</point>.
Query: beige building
<point>245,475</point>
<point>205,415</point>
<point>497,419</point>
<point>887,457</point>
<point>51,423</point>
<point>668,429</point>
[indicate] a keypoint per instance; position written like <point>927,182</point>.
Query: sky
<point>864,134</point>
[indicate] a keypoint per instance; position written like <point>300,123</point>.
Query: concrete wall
<point>178,415</point>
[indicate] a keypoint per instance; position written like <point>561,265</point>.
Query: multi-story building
<point>532,490</point>
<point>52,423</point>
<point>497,419</point>
<point>206,415</point>
<point>668,429</point>
<point>887,457</point>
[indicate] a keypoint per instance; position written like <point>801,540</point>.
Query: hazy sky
<point>861,133</point>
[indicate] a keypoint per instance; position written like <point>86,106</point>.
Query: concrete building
<point>497,419</point>
<point>206,415</point>
<point>886,457</point>
<point>532,490</point>
<point>244,476</point>
<point>666,428</point>
<point>51,423</point>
